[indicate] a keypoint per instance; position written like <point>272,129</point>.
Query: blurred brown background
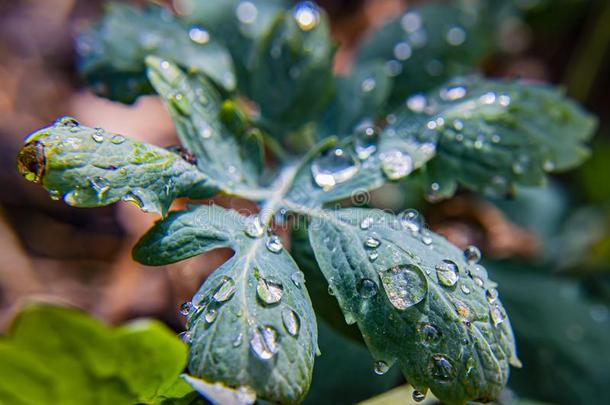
<point>54,252</point>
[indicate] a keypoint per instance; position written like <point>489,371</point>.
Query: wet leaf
<point>493,135</point>
<point>445,336</point>
<point>113,51</point>
<point>195,106</point>
<point>90,167</point>
<point>60,355</point>
<point>251,327</point>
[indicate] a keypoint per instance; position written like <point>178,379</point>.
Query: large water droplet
<point>117,139</point>
<point>291,321</point>
<point>396,164</point>
<point>199,35</point>
<point>274,244</point>
<point>472,254</point>
<point>254,227</point>
<point>225,290</point>
<point>411,220</point>
<point>440,368</point>
<point>306,15</point>
<point>381,367</point>
<point>447,273</point>
<point>334,167</point>
<point>367,288</point>
<point>210,314</point>
<point>405,285</point>
<point>366,139</point>
<point>418,396</point>
<point>270,292</point>
<point>429,334</point>
<point>264,342</point>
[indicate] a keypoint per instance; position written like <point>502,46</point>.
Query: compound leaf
<point>90,167</point>
<point>61,355</point>
<point>195,106</point>
<point>417,302</point>
<point>251,325</point>
<point>493,135</point>
<point>426,46</point>
<point>113,51</point>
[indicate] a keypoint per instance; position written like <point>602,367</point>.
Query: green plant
<point>261,117</point>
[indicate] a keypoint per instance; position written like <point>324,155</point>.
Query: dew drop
<point>497,317</point>
<point>418,396</point>
<point>366,223</point>
<point>225,290</point>
<point>366,139</point>
<point>264,342</point>
<point>298,278</point>
<point>456,36</point>
<point>199,35</point>
<point>396,164</point>
<point>426,239</point>
<point>453,93</point>
<point>405,285</point>
<point>291,321</point>
<point>67,122</point>
<point>134,199</point>
<point>373,255</point>
<point>185,337</point>
<point>447,273</point>
<point>246,12</point>
<point>491,295</point>
<point>210,314</point>
<point>429,334</point>
<point>367,288</point>
<point>254,227</point>
<point>306,15</point>
<point>186,308</point>
<point>381,367</point>
<point>372,241</point>
<point>440,368</point>
<point>100,185</point>
<point>472,254</point>
<point>117,139</point>
<point>238,339</point>
<point>270,292</point>
<point>411,220</point>
<point>368,84</point>
<point>98,136</point>
<point>417,103</point>
<point>54,194</point>
<point>274,244</point>
<point>334,167</point>
<point>72,198</point>
<point>464,288</point>
<point>331,291</point>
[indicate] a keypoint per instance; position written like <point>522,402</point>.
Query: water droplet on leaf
<point>367,288</point>
<point>447,273</point>
<point>366,223</point>
<point>336,166</point>
<point>381,367</point>
<point>472,254</point>
<point>186,308</point>
<point>270,292</point>
<point>199,35</point>
<point>429,334</point>
<point>366,139</point>
<point>291,321</point>
<point>253,227</point>
<point>440,368</point>
<point>396,164</point>
<point>264,342</point>
<point>298,278</point>
<point>225,290</point>
<point>274,244</point>
<point>405,285</point>
<point>372,241</point>
<point>418,396</point>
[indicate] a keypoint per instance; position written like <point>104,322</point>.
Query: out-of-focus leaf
<point>417,301</point>
<point>195,107</point>
<point>358,99</point>
<point>344,372</point>
<point>493,135</point>
<point>593,173</point>
<point>252,324</point>
<point>424,47</point>
<point>63,356</point>
<point>113,51</point>
<point>239,25</point>
<point>291,75</point>
<point>90,167</point>
<point>562,336</point>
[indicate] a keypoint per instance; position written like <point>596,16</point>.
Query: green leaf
<point>252,324</point>
<point>218,394</point>
<point>90,167</point>
<point>291,75</point>
<point>417,301</point>
<point>238,25</point>
<point>424,47</point>
<point>493,135</point>
<point>562,332</point>
<point>113,51</point>
<point>60,355</point>
<point>358,100</point>
<point>195,106</point>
